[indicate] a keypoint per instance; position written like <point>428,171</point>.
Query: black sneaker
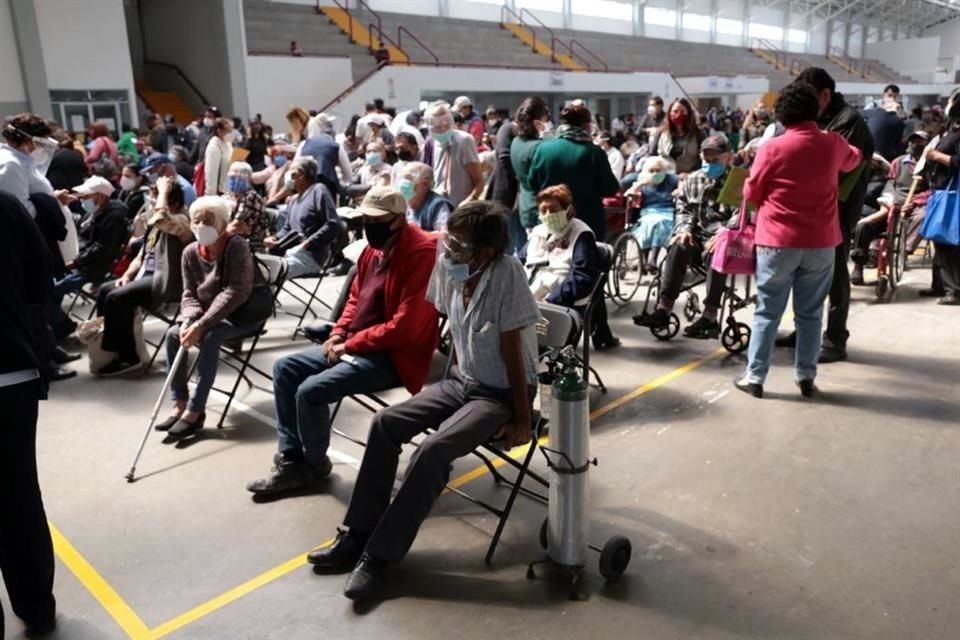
<point>366,579</point>
<point>703,329</point>
<point>830,352</point>
<point>340,557</point>
<point>752,388</point>
<point>931,293</point>
<point>288,476</point>
<point>41,628</point>
<point>856,278</point>
<point>659,319</point>
<point>949,300</point>
<point>788,341</point>
<point>62,356</point>
<point>807,388</point>
<point>118,368</point>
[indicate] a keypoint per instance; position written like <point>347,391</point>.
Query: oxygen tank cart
<point>564,532</point>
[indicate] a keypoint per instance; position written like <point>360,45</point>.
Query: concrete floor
<point>773,518</point>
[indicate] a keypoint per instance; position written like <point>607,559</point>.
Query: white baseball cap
<point>95,184</point>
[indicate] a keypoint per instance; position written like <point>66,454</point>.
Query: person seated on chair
<point>564,249</point>
<point>384,338</point>
<point>874,225</point>
<point>152,278</point>
<point>654,188</point>
<point>699,218</point>
<point>103,233</point>
<point>375,172</point>
<point>425,207</point>
<point>486,395</point>
<point>218,278</point>
<point>311,223</point>
<point>248,215</point>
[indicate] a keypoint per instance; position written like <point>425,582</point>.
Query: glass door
<point>75,117</point>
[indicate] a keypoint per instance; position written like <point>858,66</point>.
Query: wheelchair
<point>628,263</point>
<point>890,253</point>
<point>734,335</point>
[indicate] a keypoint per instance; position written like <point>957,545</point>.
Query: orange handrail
<point>505,10</point>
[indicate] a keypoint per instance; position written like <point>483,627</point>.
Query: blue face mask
<point>374,159</point>
<point>443,139</point>
<point>458,272</point>
<point>236,184</point>
<point>279,161</point>
<point>406,189</point>
<point>714,169</point>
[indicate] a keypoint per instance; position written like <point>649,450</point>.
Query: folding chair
<point>295,289</point>
<point>168,320</point>
<point>240,361</point>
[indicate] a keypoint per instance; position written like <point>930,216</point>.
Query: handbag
<point>735,252</point>
<point>90,333</point>
<point>942,221</point>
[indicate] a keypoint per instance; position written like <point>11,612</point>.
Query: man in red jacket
<point>385,338</point>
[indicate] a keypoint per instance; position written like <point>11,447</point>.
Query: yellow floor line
<point>106,595</point>
<point>137,630</point>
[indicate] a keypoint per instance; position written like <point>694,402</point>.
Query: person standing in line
<point>26,550</point>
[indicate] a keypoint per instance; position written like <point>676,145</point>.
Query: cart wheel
<point>668,332</point>
<point>736,337</point>
<point>626,270</point>
<point>543,533</point>
<point>881,288</point>
<point>692,309</point>
<point>615,557</point>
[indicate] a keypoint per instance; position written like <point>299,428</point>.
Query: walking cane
<point>181,352</point>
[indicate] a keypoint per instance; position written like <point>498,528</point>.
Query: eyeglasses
<point>457,248</point>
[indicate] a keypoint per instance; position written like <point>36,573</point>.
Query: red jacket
<point>411,332</point>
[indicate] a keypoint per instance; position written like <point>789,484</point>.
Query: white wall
<point>276,83</point>
<point>11,80</point>
<point>85,46</point>
<point>949,54</point>
<point>915,57</point>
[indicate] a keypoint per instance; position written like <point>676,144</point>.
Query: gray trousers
<point>465,416</point>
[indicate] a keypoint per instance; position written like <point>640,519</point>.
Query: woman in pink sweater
<point>794,182</point>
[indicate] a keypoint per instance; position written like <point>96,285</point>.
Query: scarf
<point>574,134</point>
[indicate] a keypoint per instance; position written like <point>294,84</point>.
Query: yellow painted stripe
<point>106,595</point>
<point>230,596</point>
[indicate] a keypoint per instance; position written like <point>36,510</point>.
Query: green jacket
<point>584,168</point>
<point>521,155</point>
<point>127,146</point>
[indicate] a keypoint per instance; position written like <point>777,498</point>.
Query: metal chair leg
<point>509,506</point>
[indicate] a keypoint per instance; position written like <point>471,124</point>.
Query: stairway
<point>359,33</point>
<point>166,102</point>
<point>527,37</point>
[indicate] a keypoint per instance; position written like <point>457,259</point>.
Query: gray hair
<point>439,110</point>
<point>243,168</point>
<point>216,205</point>
<point>418,172</point>
<point>307,165</point>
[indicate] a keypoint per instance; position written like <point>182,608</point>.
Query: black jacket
<point>53,228</point>
<point>68,169</point>
<point>26,281</point>
<point>849,123</point>
<point>104,238</point>
<point>504,185</point>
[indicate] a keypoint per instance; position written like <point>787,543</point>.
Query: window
<point>603,9</point>
<point>75,110</point>
<point>696,22</point>
<point>729,27</point>
<point>797,36</point>
<point>662,17</point>
<point>766,31</point>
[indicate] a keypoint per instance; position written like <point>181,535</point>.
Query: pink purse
<point>735,252</point>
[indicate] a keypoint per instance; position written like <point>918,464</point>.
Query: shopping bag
<point>90,333</point>
<point>942,221</point>
<point>734,252</point>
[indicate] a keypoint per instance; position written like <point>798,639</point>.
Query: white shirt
<point>615,158</point>
<point>217,159</point>
<point>19,177</point>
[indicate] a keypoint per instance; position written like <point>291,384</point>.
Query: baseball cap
<point>716,142</point>
<point>95,184</point>
<point>382,201</point>
<point>920,133</point>
<point>461,102</point>
<point>153,161</point>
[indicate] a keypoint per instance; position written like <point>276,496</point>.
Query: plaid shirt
<point>250,209</point>
<point>698,211</point>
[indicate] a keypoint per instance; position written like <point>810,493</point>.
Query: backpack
<point>200,177</point>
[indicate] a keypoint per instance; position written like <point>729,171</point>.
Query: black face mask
<point>406,155</point>
<point>378,233</point>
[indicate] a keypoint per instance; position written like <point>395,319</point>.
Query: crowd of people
<point>477,219</point>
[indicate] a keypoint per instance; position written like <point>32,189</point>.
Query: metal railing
<point>553,36</point>
<point>779,57</point>
<point>574,43</point>
<point>506,11</point>
<point>346,92</point>
<point>403,30</point>
<point>177,70</point>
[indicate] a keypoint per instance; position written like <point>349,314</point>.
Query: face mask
<point>547,131</point>
<point>153,177</point>
<point>377,233</point>
<point>713,169</point>
<point>406,188</point>
<point>658,177</point>
<point>42,156</point>
<point>678,118</point>
<point>457,271</point>
<point>128,184</point>
<point>172,156</point>
<point>405,155</point>
<point>206,234</point>
<point>443,139</point>
<point>556,222</point>
<point>89,205</point>
<point>238,184</point>
<point>289,183</point>
<point>651,110</point>
<point>208,122</point>
<point>279,161</point>
<point>374,159</point>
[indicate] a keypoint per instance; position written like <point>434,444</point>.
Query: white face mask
<point>207,235</point>
<point>90,205</point>
<point>208,123</point>
<point>127,183</point>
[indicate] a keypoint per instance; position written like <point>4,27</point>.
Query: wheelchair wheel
<point>736,337</point>
<point>614,557</point>
<point>882,288</point>
<point>626,271</point>
<point>692,309</point>
<point>899,258</point>
<point>543,533</point>
<point>668,332</point>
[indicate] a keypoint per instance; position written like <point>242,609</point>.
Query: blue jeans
<point>207,361</point>
<point>301,263</point>
<point>808,272</point>
<point>70,283</point>
<point>305,385</point>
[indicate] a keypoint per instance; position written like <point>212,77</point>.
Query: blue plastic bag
<point>942,221</point>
